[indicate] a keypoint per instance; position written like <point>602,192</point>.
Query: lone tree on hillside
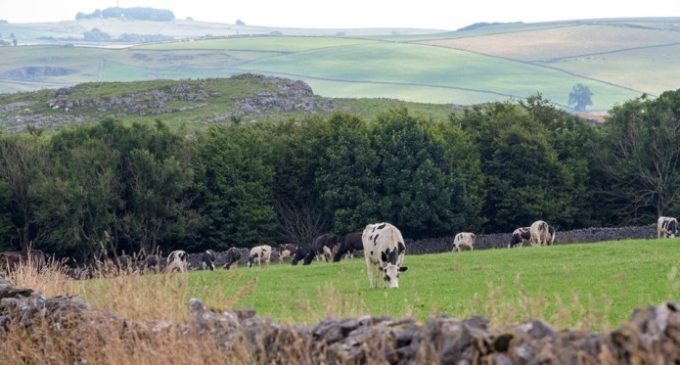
<point>580,97</point>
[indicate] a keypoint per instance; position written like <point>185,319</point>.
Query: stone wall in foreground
<point>651,336</point>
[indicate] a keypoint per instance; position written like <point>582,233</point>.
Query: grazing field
<point>653,70</point>
<point>578,285</point>
<point>548,44</point>
<point>407,65</point>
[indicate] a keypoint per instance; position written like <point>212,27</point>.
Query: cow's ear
<point>403,268</point>
<point>383,256</point>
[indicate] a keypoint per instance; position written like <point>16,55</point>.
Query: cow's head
<point>390,267</point>
<point>391,274</point>
<point>298,255</point>
<point>251,260</point>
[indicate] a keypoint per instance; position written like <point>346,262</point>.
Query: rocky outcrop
<point>651,336</point>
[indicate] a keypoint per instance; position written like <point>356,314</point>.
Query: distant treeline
<point>491,169</point>
<point>96,35</point>
<point>136,13</point>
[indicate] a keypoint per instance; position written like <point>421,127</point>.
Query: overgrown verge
<point>67,330</point>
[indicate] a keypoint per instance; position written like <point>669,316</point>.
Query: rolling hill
<point>617,59</point>
<point>193,103</point>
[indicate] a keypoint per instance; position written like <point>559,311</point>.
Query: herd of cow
<point>382,244</point>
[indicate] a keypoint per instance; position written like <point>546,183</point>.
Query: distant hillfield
<point>617,59</point>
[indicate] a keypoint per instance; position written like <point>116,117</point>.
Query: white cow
<point>177,260</point>
<point>259,253</point>
<point>463,239</point>
<point>540,233</point>
<point>384,247</point>
<point>666,227</point>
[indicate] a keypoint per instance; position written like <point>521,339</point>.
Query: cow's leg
<point>369,270</point>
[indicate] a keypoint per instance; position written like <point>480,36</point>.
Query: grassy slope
<point>653,70</point>
<point>547,44</point>
<point>568,285</point>
<point>221,95</point>
<point>408,65</point>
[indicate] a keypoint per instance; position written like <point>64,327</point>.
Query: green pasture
<point>407,65</point>
<point>593,285</point>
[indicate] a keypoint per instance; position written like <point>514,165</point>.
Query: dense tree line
<point>493,168</point>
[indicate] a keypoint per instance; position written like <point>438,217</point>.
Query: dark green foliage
<point>526,178</point>
<point>236,186</point>
<point>347,177</point>
<point>422,189</point>
<point>643,155</point>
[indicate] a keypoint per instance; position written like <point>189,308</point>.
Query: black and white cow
<point>177,260</point>
<point>259,254</point>
<point>286,250</point>
<point>542,234</point>
<point>208,260</point>
<point>302,253</point>
<point>520,236</point>
<point>384,247</point>
<point>323,246</point>
<point>232,257</point>
<point>666,227</point>
<point>348,244</point>
<point>463,239</point>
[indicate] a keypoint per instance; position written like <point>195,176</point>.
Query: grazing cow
<point>666,227</point>
<point>123,262</point>
<point>259,253</point>
<point>540,233</point>
<point>322,246</point>
<point>177,260</point>
<point>520,236</point>
<point>286,250</point>
<point>232,257</point>
<point>348,245</point>
<point>152,262</point>
<point>384,247</point>
<point>463,239</point>
<point>208,260</point>
<point>304,253</point>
